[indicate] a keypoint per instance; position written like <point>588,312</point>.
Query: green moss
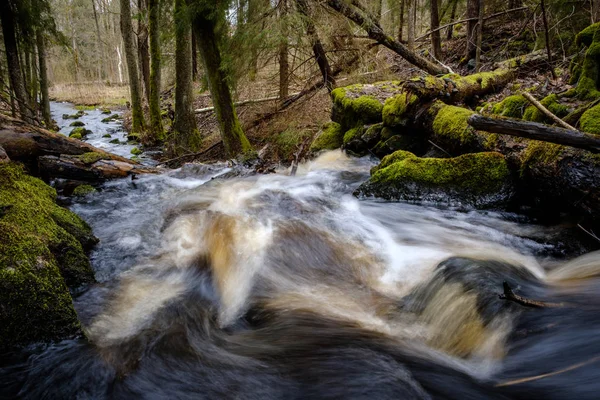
<point>36,248</point>
<point>76,136</point>
<point>395,108</point>
<point>590,120</point>
<point>350,110</point>
<point>352,134</point>
<point>551,103</point>
<point>289,141</point>
<point>115,141</point>
<point>136,151</point>
<point>390,159</point>
<point>452,122</point>
<point>586,36</point>
<point>83,190</point>
<point>113,117</point>
<point>106,135</point>
<point>540,153</point>
<point>92,157</point>
<point>512,106</point>
<point>588,84</point>
<point>331,137</point>
<point>76,123</point>
<point>105,111</point>
<point>80,132</point>
<point>476,172</point>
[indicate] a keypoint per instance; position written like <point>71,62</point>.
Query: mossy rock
<point>395,109</point>
<point>353,143</point>
<point>288,142</point>
<point>372,135</point>
<point>115,141</point>
<point>586,36</point>
<point>105,111</point>
<point>92,156</point>
<point>76,123</point>
<point>83,190</point>
<point>479,180</point>
<point>533,114</point>
<point>512,106</point>
<point>72,116</point>
<point>361,104</point>
<point>41,252</point>
<point>107,136</point>
<point>330,137</point>
<point>112,118</point>
<point>590,120</point>
<point>451,126</point>
<point>398,142</point>
<point>589,76</point>
<point>79,133</point>
<point>136,151</point>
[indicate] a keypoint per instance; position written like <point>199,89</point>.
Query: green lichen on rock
<point>79,132</point>
<point>512,106</point>
<point>331,137</point>
<point>39,257</point>
<point>83,190</point>
<point>533,114</point>
<point>395,108</point>
<point>115,141</point>
<point>540,154</point>
<point>590,120</point>
<point>589,76</point>
<point>480,180</point>
<point>390,159</point>
<point>92,156</point>
<point>353,134</point>
<point>76,123</point>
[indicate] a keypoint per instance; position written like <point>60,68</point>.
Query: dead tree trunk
<point>376,33</point>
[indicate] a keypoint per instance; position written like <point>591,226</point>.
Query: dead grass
<point>91,94</point>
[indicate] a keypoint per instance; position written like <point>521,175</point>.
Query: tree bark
<point>479,37</point>
<point>156,126</point>
<point>412,17</point>
<point>73,167</point>
<point>143,50</point>
<point>401,24</point>
<point>234,140</point>
<point>547,37</point>
<point>450,31</point>
<point>473,16</point>
<point>45,99</point>
<point>536,131</point>
<point>98,43</point>
<point>317,46</point>
<point>284,65</point>
<point>376,33</point>
<point>12,60</point>
<point>184,124</point>
<point>194,58</point>
<point>436,41</point>
<point>137,115</point>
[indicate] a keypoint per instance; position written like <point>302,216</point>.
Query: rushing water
<point>259,287</point>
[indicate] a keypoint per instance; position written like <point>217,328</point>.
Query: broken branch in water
<point>510,295</point>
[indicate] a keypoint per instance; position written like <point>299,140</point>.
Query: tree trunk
<point>547,37</point>
<point>98,43</point>
<point>184,124</point>
<point>143,50</point>
<point>137,115</point>
<point>154,103</point>
<point>473,15</point>
<point>376,33</point>
<point>75,168</point>
<point>436,41</point>
<point>194,58</point>
<point>234,140</point>
<point>317,46</point>
<point>12,60</point>
<point>45,99</point>
<point>452,16</point>
<point>412,17</point>
<point>479,37</point>
<point>284,66</point>
<point>401,25</point>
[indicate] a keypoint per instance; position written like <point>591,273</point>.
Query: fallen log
<point>85,168</point>
<point>536,131</point>
<point>54,155</point>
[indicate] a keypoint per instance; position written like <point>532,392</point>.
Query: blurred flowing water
<point>213,285</point>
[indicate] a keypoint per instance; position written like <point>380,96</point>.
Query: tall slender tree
<point>184,125</point>
<point>472,23</point>
<point>7,17</point>
<point>156,126</point>
<point>436,41</point>
<point>284,65</point>
<point>45,99</point>
<point>138,124</point>
<point>206,15</point>
<point>143,50</point>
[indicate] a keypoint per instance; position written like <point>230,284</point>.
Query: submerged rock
<point>480,180</point>
<point>79,133</point>
<point>42,251</point>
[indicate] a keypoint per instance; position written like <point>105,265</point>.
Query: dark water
<point>279,287</point>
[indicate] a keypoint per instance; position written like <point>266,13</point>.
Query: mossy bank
<point>42,253</point>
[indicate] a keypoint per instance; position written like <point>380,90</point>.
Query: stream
<point>219,285</point>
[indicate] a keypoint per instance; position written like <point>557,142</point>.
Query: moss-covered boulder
<point>330,137</point>
<point>76,123</point>
<point>512,106</point>
<point>590,120</point>
<point>41,254</point>
<point>480,180</point>
<point>361,104</point>
<point>83,190</point>
<point>588,73</point>
<point>79,133</point>
<point>532,113</point>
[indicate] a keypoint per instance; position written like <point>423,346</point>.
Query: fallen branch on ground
<point>546,112</point>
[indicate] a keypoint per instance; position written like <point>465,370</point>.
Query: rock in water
<point>42,253</point>
<point>480,180</point>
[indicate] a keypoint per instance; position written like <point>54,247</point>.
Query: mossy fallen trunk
<point>480,180</point>
<point>42,251</point>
